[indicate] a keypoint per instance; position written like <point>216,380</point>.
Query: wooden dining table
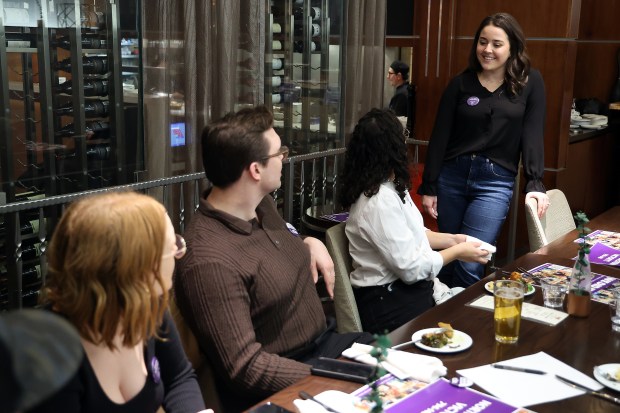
<point>579,342</point>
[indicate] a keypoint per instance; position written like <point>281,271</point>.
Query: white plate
<point>579,121</point>
<point>463,340</point>
<point>593,126</point>
<point>489,287</point>
<point>611,369</point>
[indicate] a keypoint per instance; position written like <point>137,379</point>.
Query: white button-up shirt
<point>387,240</point>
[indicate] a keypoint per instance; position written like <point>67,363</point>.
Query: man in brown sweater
<point>245,286</point>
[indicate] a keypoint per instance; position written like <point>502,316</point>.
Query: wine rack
<point>302,81</point>
<point>66,126</point>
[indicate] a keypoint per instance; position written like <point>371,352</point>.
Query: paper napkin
<point>400,363</point>
<point>483,246</point>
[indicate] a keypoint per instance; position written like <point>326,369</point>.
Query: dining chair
<point>557,221</point>
<point>204,371</point>
<point>347,315</point>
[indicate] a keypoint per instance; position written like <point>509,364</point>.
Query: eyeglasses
<point>282,151</point>
<point>181,248</point>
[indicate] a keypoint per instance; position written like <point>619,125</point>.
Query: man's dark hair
<point>232,143</point>
<point>376,149</point>
<point>400,67</point>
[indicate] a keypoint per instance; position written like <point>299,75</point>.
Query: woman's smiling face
<point>493,48</point>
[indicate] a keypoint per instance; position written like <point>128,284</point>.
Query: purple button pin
<point>155,369</point>
<point>473,101</point>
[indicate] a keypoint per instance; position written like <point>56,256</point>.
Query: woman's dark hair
<point>518,64</point>
<point>376,150</point>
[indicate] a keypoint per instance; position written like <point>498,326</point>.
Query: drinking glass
<point>614,309</point>
<point>508,298</point>
<point>553,292</point>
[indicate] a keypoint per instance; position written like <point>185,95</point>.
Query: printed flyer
<point>605,247</point>
<point>602,285</point>
<point>438,397</point>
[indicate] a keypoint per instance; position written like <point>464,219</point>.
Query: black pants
<point>389,306</point>
<point>329,344</point>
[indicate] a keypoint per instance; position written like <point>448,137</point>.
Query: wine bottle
<point>276,81</point>
<point>315,13</point>
<point>88,42</point>
<point>315,30</point>
<point>93,153</point>
<point>298,46</point>
<point>28,251</point>
<point>91,65</point>
<point>92,19</point>
<point>277,63</point>
<point>27,228</point>
<point>90,87</point>
<point>30,275</point>
<point>93,129</point>
<point>99,152</point>
<point>21,39</point>
<point>95,108</point>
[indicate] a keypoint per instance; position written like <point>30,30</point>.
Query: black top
<point>398,103</point>
<point>495,124</point>
<point>170,382</point>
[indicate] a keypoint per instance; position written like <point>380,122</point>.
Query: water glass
<point>614,309</point>
<point>553,291</point>
<point>508,301</point>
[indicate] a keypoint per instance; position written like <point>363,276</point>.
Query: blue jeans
<point>473,197</point>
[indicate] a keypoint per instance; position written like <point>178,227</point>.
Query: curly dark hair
<point>518,64</point>
<point>376,149</point>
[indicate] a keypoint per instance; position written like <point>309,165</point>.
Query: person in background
<point>394,262</point>
<point>398,73</point>
<point>246,286</point>
<point>111,260</point>
<point>490,116</point>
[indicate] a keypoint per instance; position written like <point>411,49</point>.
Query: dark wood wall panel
<point>599,20</point>
<point>545,56</point>
<point>588,183</point>
<point>596,70</point>
<point>538,18</point>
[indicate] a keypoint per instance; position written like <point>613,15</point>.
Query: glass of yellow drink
<point>508,297</point>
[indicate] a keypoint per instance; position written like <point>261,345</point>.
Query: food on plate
<point>449,331</point>
<point>517,276</point>
<point>617,375</point>
<point>438,338</point>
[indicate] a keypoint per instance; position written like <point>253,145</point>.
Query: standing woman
<point>490,116</point>
<point>111,260</point>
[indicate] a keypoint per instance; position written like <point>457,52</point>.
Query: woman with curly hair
<point>394,261</point>
<point>490,116</point>
<point>111,260</point>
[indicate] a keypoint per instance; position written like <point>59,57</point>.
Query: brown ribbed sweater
<point>245,290</point>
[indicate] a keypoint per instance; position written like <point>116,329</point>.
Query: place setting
<point>442,339</point>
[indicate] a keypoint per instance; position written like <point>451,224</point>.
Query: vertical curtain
<point>364,55</point>
<point>210,56</point>
<point>207,54</point>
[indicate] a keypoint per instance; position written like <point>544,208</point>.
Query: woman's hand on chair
<point>542,200</point>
